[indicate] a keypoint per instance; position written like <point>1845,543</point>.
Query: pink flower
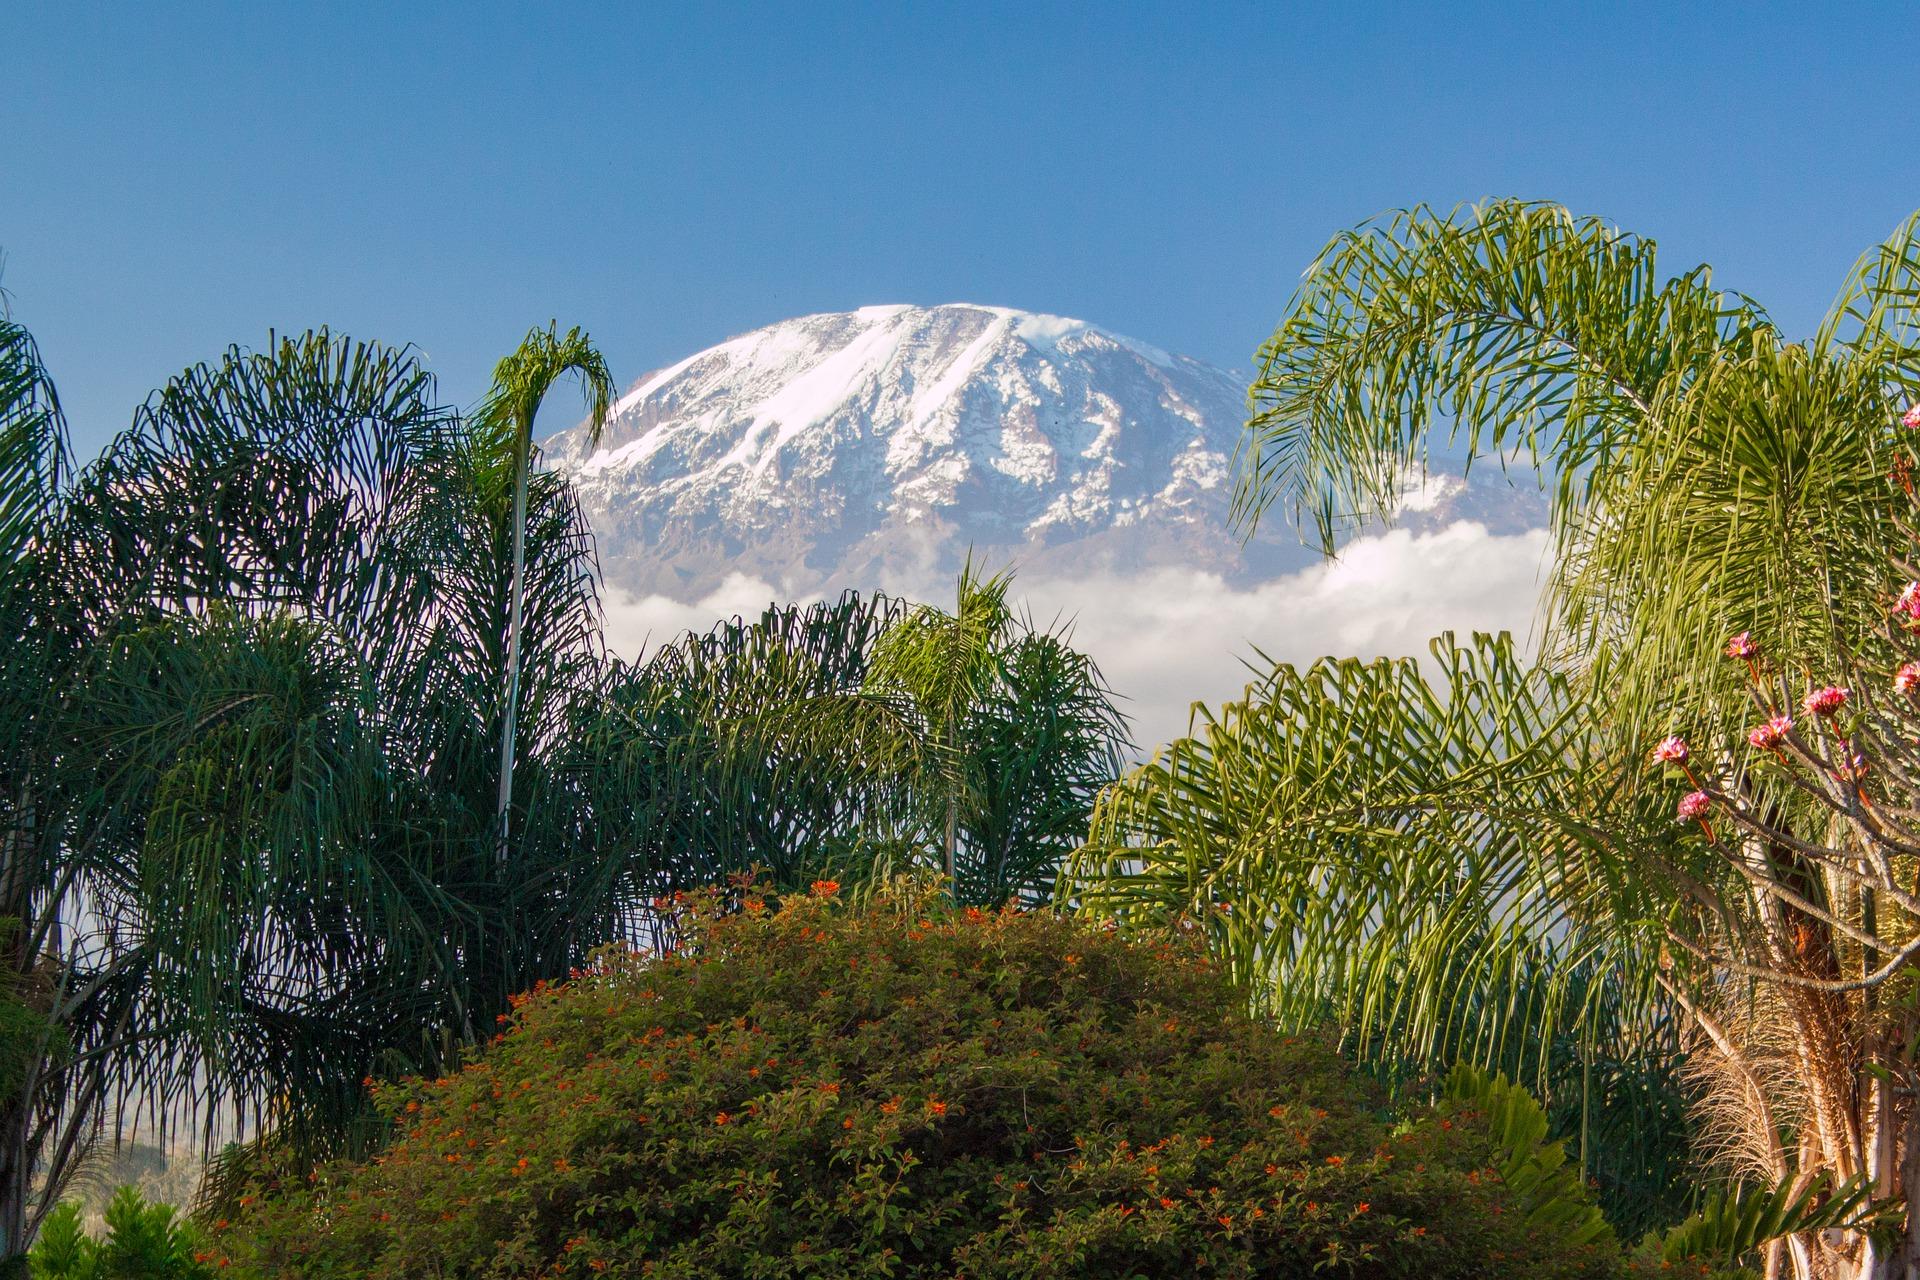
<point>1909,601</point>
<point>1743,646</point>
<point>1825,702</point>
<point>1672,750</point>
<point>1770,735</point>
<point>1907,678</point>
<point>1912,418</point>
<point>1692,805</point>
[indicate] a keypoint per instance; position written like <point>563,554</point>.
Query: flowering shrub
<point>905,1091</point>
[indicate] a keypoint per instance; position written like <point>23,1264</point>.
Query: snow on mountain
<point>844,449</point>
<point>874,448</point>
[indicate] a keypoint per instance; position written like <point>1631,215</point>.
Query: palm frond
<point>1517,328</point>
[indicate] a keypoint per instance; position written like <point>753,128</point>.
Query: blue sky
<point>171,181</point>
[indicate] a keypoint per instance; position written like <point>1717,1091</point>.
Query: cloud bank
<point>1171,637</point>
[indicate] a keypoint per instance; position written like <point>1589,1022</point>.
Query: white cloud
<point>638,623</point>
<point>1171,637</point>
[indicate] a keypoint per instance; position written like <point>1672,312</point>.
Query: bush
<point>142,1242</point>
<point>906,1091</point>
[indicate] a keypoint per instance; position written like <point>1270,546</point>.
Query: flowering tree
<point>1816,811</point>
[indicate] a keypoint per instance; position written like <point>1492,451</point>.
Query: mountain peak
<point>877,447</point>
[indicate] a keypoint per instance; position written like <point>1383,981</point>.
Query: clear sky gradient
<point>174,178</point>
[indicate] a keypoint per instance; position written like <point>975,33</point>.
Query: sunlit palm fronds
<point>1710,477</point>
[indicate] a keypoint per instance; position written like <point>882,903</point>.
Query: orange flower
<point>1166,1203</point>
<point>1362,1207</point>
<point>1225,1219</point>
<point>890,1106</point>
<point>722,1118</point>
<point>825,888</point>
<point>413,1106</point>
<point>937,1107</point>
<point>1336,1160</point>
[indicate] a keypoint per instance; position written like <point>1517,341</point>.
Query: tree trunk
<point>16,1174</point>
<point>517,592</point>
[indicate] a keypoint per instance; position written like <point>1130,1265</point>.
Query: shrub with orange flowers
<point>897,1089</point>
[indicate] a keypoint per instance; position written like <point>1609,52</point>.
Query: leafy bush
<point>142,1242</point>
<point>909,1091</point>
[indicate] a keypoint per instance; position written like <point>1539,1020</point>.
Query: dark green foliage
<point>1044,739</point>
<point>909,1090</point>
<point>259,675</point>
<point>756,744</point>
<point>1021,733</point>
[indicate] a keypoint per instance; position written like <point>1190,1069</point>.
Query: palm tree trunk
<point>952,844</point>
<point>516,604</point>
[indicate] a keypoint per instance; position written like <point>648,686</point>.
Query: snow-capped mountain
<point>875,447</point>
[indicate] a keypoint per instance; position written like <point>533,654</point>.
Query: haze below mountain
<point>876,449</point>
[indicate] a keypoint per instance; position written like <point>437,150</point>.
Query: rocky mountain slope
<point>875,447</point>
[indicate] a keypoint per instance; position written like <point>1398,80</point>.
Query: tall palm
<point>1021,728</point>
<point>37,641</point>
<point>520,382</point>
<point>261,859</point>
<point>944,662</point>
<point>1709,476</point>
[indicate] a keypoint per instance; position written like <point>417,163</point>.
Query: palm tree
<point>1021,732</point>
<point>520,382</point>
<point>944,662</point>
<point>33,467</point>
<point>759,746</point>
<point>253,855</point>
<point>1449,859</point>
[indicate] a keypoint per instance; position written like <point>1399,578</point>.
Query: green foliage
<point>1397,851</point>
<point>1534,1169</point>
<point>313,714</point>
<point>504,435</point>
<point>911,1090</point>
<point>1708,476</point>
<point>1737,1221</point>
<point>142,1242</point>
<point>1021,731</point>
<point>757,744</point>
